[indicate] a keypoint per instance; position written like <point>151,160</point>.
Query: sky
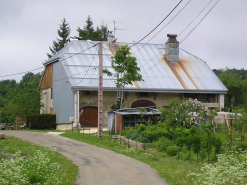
<point>28,28</point>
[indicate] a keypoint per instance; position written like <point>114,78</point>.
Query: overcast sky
<point>28,27</point>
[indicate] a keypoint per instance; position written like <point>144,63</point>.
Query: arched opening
<point>143,103</point>
<point>89,116</point>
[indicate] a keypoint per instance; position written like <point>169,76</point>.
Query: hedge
<point>41,121</point>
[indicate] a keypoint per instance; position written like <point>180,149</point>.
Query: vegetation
<point>41,121</point>
<point>63,33</point>
<point>20,99</point>
<point>229,169</point>
<point>236,83</point>
<point>88,32</point>
<point>125,69</point>
<point>187,145</point>
<point>23,163</point>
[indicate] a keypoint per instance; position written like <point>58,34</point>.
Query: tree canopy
<point>20,99</point>
<point>236,83</point>
<point>63,33</point>
<point>88,31</point>
<point>125,67</point>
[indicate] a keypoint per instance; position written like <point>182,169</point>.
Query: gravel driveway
<point>96,165</point>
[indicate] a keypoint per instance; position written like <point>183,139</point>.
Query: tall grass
<point>23,163</point>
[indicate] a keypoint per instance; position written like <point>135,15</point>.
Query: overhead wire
<point>88,67</point>
<point>165,25</point>
<point>22,72</point>
<point>185,36</point>
<point>44,67</point>
<point>158,24</point>
<point>195,18</point>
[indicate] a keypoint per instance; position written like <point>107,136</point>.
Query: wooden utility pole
<point>100,93</point>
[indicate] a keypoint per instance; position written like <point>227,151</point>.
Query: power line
<point>21,72</point>
<point>88,68</point>
<point>201,20</point>
<point>195,18</point>
<point>158,24</point>
<point>43,67</point>
<point>185,36</point>
<point>164,26</point>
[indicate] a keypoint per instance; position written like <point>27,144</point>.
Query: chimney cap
<point>172,38</point>
<point>172,35</point>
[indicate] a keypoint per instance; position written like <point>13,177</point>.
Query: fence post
<point>136,140</point>
<point>202,154</point>
<point>109,135</point>
<point>189,152</point>
<point>208,154</point>
<point>197,152</point>
<point>120,137</point>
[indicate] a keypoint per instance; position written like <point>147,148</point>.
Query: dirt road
<point>96,165</point>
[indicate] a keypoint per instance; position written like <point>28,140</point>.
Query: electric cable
<point>185,36</point>
<point>88,67</point>
<point>158,24</point>
<point>22,72</point>
<point>43,67</point>
<point>164,26</point>
<point>195,18</point>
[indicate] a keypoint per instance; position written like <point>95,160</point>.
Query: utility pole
<point>100,93</point>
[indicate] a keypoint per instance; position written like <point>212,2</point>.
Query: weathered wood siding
<point>46,82</point>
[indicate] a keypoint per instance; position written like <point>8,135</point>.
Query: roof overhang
<point>201,91</point>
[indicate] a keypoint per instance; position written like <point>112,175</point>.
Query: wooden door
<point>89,117</point>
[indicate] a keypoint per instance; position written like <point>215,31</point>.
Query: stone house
<point>71,80</point>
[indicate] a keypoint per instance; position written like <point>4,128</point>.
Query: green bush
<point>41,121</point>
<point>242,146</point>
<point>172,150</point>
<point>162,144</point>
<point>140,128</point>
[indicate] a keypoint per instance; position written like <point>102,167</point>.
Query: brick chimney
<point>172,48</point>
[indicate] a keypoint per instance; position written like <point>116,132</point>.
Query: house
<point>70,81</point>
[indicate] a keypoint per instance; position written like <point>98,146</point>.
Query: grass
<point>172,170</point>
<point>66,171</point>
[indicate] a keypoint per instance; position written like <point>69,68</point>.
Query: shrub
<point>172,150</point>
<point>241,146</point>
<point>162,144</point>
<point>229,169</point>
<point>140,128</point>
<point>41,121</point>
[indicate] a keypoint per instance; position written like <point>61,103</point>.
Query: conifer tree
<point>88,32</point>
<point>63,32</point>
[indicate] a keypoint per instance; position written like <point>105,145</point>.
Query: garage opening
<point>89,116</point>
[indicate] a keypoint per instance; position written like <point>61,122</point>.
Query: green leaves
<point>23,99</point>
<point>125,67</point>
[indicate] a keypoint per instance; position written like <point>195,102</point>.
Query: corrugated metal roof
<point>191,74</point>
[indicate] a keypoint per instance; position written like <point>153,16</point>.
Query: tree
<point>235,84</point>
<point>125,67</point>
<point>25,98</point>
<point>63,32</point>
<point>88,32</point>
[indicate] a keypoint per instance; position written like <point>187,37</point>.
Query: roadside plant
<point>29,169</point>
<point>230,168</point>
